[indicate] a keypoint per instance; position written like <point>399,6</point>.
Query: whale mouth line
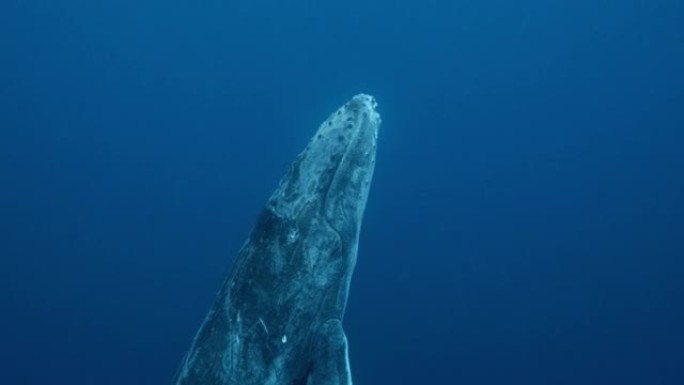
<point>361,123</point>
<point>344,154</point>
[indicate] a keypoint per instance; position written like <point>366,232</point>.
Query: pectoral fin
<point>331,358</point>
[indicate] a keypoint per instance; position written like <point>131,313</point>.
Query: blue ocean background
<point>525,224</point>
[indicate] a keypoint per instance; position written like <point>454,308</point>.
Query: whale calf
<point>277,319</point>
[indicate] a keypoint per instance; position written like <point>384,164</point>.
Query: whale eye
<point>292,235</point>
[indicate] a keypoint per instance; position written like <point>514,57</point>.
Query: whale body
<point>277,319</point>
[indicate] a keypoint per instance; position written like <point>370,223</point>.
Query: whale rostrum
<point>277,319</point>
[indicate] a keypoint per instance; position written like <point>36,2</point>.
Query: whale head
<point>318,207</point>
<point>331,178</point>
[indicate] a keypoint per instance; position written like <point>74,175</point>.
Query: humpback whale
<point>277,319</point>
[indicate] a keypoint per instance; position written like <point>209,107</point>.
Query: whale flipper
<point>277,319</point>
<point>331,357</point>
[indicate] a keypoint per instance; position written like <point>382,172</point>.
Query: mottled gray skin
<point>277,320</point>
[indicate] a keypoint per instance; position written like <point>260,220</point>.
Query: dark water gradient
<point>525,224</point>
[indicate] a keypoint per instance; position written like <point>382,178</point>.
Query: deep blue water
<point>526,220</point>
